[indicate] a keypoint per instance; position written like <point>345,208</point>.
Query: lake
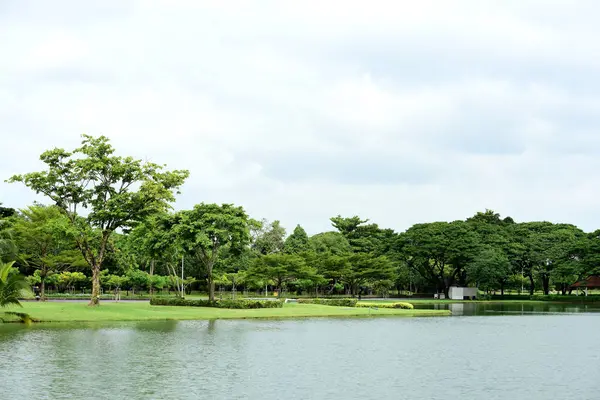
<point>519,355</point>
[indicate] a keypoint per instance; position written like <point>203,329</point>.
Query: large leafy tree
<point>440,251</point>
<point>330,243</point>
<point>297,242</point>
<point>281,269</point>
<point>270,238</point>
<point>45,241</point>
<point>101,192</point>
<point>490,269</point>
<point>364,268</point>
<point>363,237</point>
<point>206,230</point>
<point>543,251</point>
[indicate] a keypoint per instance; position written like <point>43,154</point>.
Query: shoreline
<point>138,311</point>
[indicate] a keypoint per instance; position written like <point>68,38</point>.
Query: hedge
<point>238,304</point>
<point>567,298</point>
<point>330,302</point>
<point>406,306</point>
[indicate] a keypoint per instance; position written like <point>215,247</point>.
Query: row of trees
<point>111,217</point>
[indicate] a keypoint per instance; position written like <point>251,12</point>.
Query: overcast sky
<point>397,111</point>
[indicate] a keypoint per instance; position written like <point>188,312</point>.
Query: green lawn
<point>143,311</point>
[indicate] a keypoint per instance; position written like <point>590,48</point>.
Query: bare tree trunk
<point>211,288</point>
<point>546,284</point>
<point>95,300</point>
<point>446,291</point>
<point>531,285</point>
<point>43,289</point>
<point>151,274</point>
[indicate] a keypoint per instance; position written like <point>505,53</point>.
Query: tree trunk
<point>211,287</point>
<point>447,291</point>
<point>43,290</point>
<point>95,300</point>
<point>151,274</point>
<point>531,285</point>
<point>546,284</point>
<point>502,289</point>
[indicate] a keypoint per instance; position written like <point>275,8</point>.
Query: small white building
<point>463,293</point>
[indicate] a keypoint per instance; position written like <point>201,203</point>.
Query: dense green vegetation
<point>108,228</point>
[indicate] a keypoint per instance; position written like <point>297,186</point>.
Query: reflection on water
<point>499,357</point>
<point>510,308</point>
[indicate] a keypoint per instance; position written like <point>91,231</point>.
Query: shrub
<point>237,304</point>
<point>330,302</point>
<point>406,306</point>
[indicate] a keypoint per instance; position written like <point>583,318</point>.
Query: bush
<point>566,298</point>
<point>330,302</point>
<point>237,304</point>
<point>406,306</point>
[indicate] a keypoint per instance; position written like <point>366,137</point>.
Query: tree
<point>6,212</point>
<point>44,241</point>
<point>297,242</point>
<point>282,269</point>
<point>364,268</point>
<point>543,250</point>
<point>8,248</point>
<point>100,192</point>
<point>439,251</point>
<point>490,269</point>
<point>206,229</point>
<point>270,239</point>
<point>330,243</point>
<point>363,238</point>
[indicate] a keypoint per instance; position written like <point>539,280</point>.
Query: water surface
<point>505,357</point>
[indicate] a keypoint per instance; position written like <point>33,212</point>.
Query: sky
<point>397,111</point>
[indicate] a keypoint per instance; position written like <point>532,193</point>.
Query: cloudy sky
<point>397,111</point>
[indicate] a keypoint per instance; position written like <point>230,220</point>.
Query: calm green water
<point>511,308</point>
<point>477,357</point>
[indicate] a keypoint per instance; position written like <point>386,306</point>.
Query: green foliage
<point>297,242</point>
<point>330,302</point>
<point>12,285</point>
<point>362,237</point>
<point>440,251</point>
<point>281,269</point>
<point>333,243</point>
<point>117,192</point>
<point>234,304</point>
<point>269,239</point>
<point>490,269</point>
<point>406,306</point>
<point>137,279</point>
<point>206,229</point>
<point>8,248</point>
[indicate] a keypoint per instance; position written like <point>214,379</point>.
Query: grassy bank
<point>143,311</point>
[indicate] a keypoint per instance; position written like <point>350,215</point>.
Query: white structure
<point>462,293</point>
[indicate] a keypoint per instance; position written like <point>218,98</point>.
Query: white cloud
<point>397,111</point>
